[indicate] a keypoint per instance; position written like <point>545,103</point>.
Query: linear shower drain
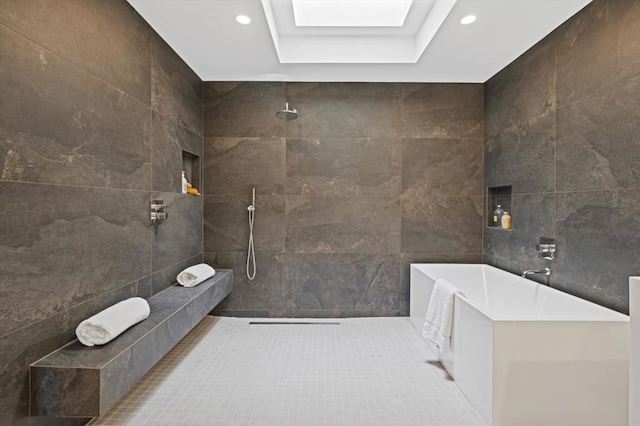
<point>293,323</point>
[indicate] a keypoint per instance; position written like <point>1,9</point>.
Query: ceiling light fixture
<point>469,19</point>
<point>243,19</point>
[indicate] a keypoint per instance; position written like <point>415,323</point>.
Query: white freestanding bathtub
<point>525,354</point>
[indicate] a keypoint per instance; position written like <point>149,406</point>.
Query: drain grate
<point>293,323</point>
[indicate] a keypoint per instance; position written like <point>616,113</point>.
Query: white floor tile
<point>365,371</point>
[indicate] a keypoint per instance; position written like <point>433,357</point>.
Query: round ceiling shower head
<point>287,114</point>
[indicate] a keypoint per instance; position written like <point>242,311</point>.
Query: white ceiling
<point>206,35</point>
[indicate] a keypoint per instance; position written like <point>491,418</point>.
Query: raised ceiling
<point>429,45</point>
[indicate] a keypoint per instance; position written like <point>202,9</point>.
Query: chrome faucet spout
<point>545,271</point>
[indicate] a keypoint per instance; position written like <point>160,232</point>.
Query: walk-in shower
<point>251,254</point>
<point>287,114</point>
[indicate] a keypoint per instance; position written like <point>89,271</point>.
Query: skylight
<point>350,13</point>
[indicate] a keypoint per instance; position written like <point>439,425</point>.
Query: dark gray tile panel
<point>176,91</point>
<point>344,110</point>
<point>442,110</point>
<point>59,124</point>
<point>87,241</point>
<point>523,157</point>
<point>598,47</point>
<point>243,109</point>
<point>234,166</point>
<point>226,223</point>
<point>78,35</point>
<point>442,166</point>
<point>342,224</point>
<point>598,140</point>
<point>433,223</point>
<point>599,241</point>
<point>346,282</point>
<point>369,166</point>
<point>524,91</point>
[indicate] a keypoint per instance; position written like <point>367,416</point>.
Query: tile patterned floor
<point>365,371</point>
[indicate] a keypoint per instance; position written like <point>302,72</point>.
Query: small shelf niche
<point>498,195</point>
<point>191,167</point>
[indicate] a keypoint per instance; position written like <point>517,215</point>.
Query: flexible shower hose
<point>251,254</point>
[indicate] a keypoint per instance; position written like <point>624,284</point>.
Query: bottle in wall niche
<point>497,217</point>
<point>506,220</point>
<point>184,183</point>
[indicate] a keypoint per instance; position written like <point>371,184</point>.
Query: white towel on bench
<point>439,319</point>
<point>106,325</point>
<point>194,275</point>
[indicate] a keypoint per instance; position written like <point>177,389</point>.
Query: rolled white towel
<point>194,275</point>
<point>106,325</point>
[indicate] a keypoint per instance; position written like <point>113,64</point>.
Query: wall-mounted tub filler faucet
<point>157,212</point>
<point>545,271</point>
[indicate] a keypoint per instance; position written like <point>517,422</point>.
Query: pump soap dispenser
<point>184,183</point>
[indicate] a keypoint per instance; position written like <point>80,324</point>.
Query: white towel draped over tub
<point>439,319</point>
<point>106,325</point>
<point>194,275</point>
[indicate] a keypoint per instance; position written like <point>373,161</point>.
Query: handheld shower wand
<point>251,254</point>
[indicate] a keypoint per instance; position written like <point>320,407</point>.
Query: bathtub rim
<point>615,316</point>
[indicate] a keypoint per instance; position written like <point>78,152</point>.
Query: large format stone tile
<point>523,157</point>
<point>176,91</point>
<point>86,242</point>
<point>267,294</point>
<point>243,109</point>
<point>598,142</point>
<point>342,224</point>
<point>442,110</point>
<point>169,140</point>
<point>77,31</point>
<point>234,166</point>
<point>226,223</point>
<point>523,91</point>
<point>344,110</point>
<point>180,236</point>
<point>28,344</point>
<point>59,124</point>
<point>346,282</point>
<point>435,223</point>
<point>597,47</point>
<point>343,166</point>
<point>449,166</point>
<point>599,241</point>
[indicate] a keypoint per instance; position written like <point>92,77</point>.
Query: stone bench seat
<point>81,381</point>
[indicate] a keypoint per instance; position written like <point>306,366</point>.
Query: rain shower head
<point>287,114</point>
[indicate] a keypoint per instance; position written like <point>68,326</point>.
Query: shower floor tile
<point>365,371</point>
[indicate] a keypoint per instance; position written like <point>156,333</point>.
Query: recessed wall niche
<point>498,196</point>
<point>191,167</point>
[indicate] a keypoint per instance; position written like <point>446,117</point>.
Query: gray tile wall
<point>562,127</point>
<point>369,178</point>
<point>94,112</point>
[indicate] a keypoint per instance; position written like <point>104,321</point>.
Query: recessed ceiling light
<point>469,19</point>
<point>243,19</point>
